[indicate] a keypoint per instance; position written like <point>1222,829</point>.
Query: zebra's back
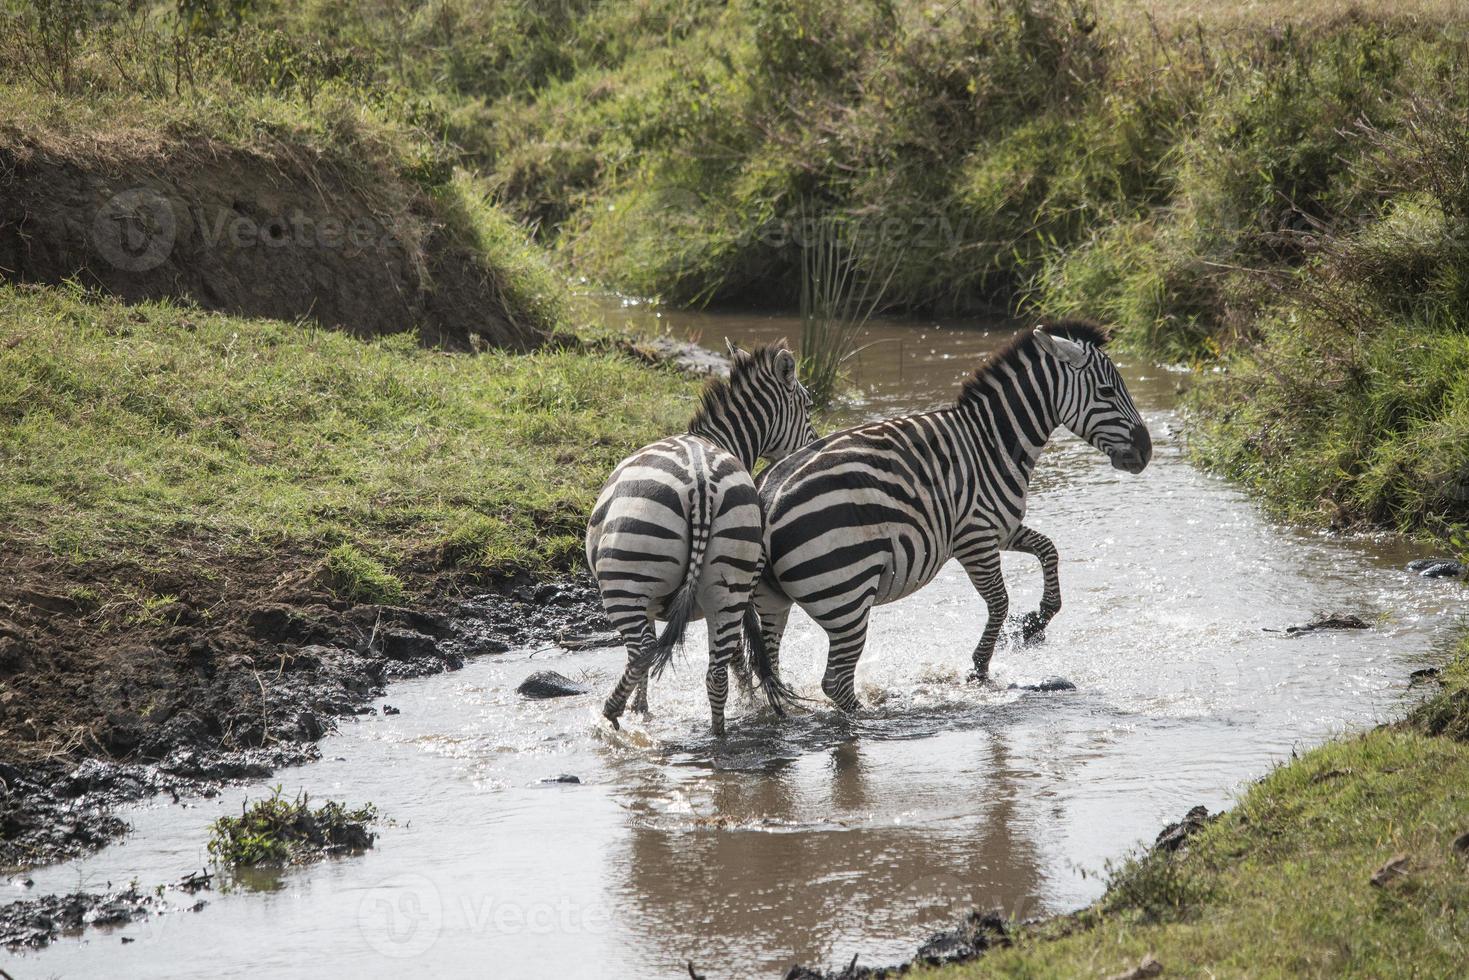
<point>888,496</point>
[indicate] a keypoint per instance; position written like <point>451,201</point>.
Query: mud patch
<point>34,923</point>
<point>241,672</point>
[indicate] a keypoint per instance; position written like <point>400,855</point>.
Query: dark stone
<point>1172,837</point>
<point>1049,684</point>
<point>1424,674</point>
<point>1419,564</point>
<point>1444,569</point>
<point>309,726</point>
<point>970,939</point>
<point>978,932</point>
<point>563,778</point>
<point>1329,623</point>
<point>388,709</point>
<point>404,644</point>
<point>549,684</point>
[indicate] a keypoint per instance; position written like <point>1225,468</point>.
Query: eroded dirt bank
<point>241,671</point>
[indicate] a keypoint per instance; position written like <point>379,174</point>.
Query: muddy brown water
<point>820,837</point>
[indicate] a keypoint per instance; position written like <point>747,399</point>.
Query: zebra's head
<point>1091,398</point>
<point>764,383</point>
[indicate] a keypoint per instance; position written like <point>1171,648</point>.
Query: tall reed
<point>844,275</point>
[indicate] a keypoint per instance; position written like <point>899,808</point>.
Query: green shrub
<point>282,831</point>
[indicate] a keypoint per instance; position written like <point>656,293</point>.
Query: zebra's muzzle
<point>1134,459</point>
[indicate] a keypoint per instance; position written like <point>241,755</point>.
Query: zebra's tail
<point>776,692</point>
<point>680,608</point>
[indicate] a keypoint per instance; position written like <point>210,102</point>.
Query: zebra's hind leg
<point>639,659</point>
<point>640,699</point>
<point>1031,542</point>
<point>846,642</point>
<point>724,646</point>
<point>774,610</point>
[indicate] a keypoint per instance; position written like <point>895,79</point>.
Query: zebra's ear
<point>734,351</point>
<point>1060,347</point>
<point>785,367</point>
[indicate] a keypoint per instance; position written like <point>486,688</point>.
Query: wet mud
<point>208,693</point>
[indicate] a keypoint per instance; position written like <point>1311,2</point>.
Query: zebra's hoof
<point>616,725</point>
<point>978,677</point>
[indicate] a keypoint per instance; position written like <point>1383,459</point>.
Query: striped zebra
<point>869,515</point>
<point>676,533</point>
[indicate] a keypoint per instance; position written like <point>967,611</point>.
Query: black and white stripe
<point>869,515</point>
<point>676,533</point>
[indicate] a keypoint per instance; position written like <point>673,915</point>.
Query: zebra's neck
<point>729,430</point>
<point>1014,413</point>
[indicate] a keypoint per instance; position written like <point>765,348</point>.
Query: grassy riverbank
<point>144,432</point>
<point>189,498</point>
<point>1282,885</point>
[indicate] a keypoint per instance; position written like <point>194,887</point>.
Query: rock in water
<point>1444,569</point>
<point>549,684</point>
<point>1049,684</point>
<point>1329,623</point>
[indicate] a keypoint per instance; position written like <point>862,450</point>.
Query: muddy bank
<point>222,676</point>
<point>282,234</point>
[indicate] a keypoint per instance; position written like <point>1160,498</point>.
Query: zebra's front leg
<point>1031,542</point>
<point>984,572</point>
<point>639,659</point>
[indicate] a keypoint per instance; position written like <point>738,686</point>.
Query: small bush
<point>287,831</point>
<point>1156,886</point>
<point>361,578</point>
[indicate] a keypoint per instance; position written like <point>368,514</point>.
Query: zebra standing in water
<point>676,532</point>
<point>870,515</point>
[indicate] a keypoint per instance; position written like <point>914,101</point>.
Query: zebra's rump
<point>643,527</point>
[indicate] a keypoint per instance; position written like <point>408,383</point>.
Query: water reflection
<point>825,855</point>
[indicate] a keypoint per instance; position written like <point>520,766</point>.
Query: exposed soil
<point>281,234</point>
<point>104,699</point>
<point>33,923</point>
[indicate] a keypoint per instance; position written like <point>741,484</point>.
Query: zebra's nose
<point>1142,443</point>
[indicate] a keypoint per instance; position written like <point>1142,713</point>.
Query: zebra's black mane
<point>717,391</point>
<point>1010,353</point>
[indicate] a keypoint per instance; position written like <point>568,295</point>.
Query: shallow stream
<point>820,837</point>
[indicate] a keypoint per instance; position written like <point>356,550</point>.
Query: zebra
<point>869,515</point>
<point>676,532</point>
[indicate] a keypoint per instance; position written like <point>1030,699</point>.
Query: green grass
<point>1281,885</point>
<point>281,831</point>
<point>141,432</point>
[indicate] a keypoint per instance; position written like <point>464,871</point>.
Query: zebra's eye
<point>1107,391</point>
